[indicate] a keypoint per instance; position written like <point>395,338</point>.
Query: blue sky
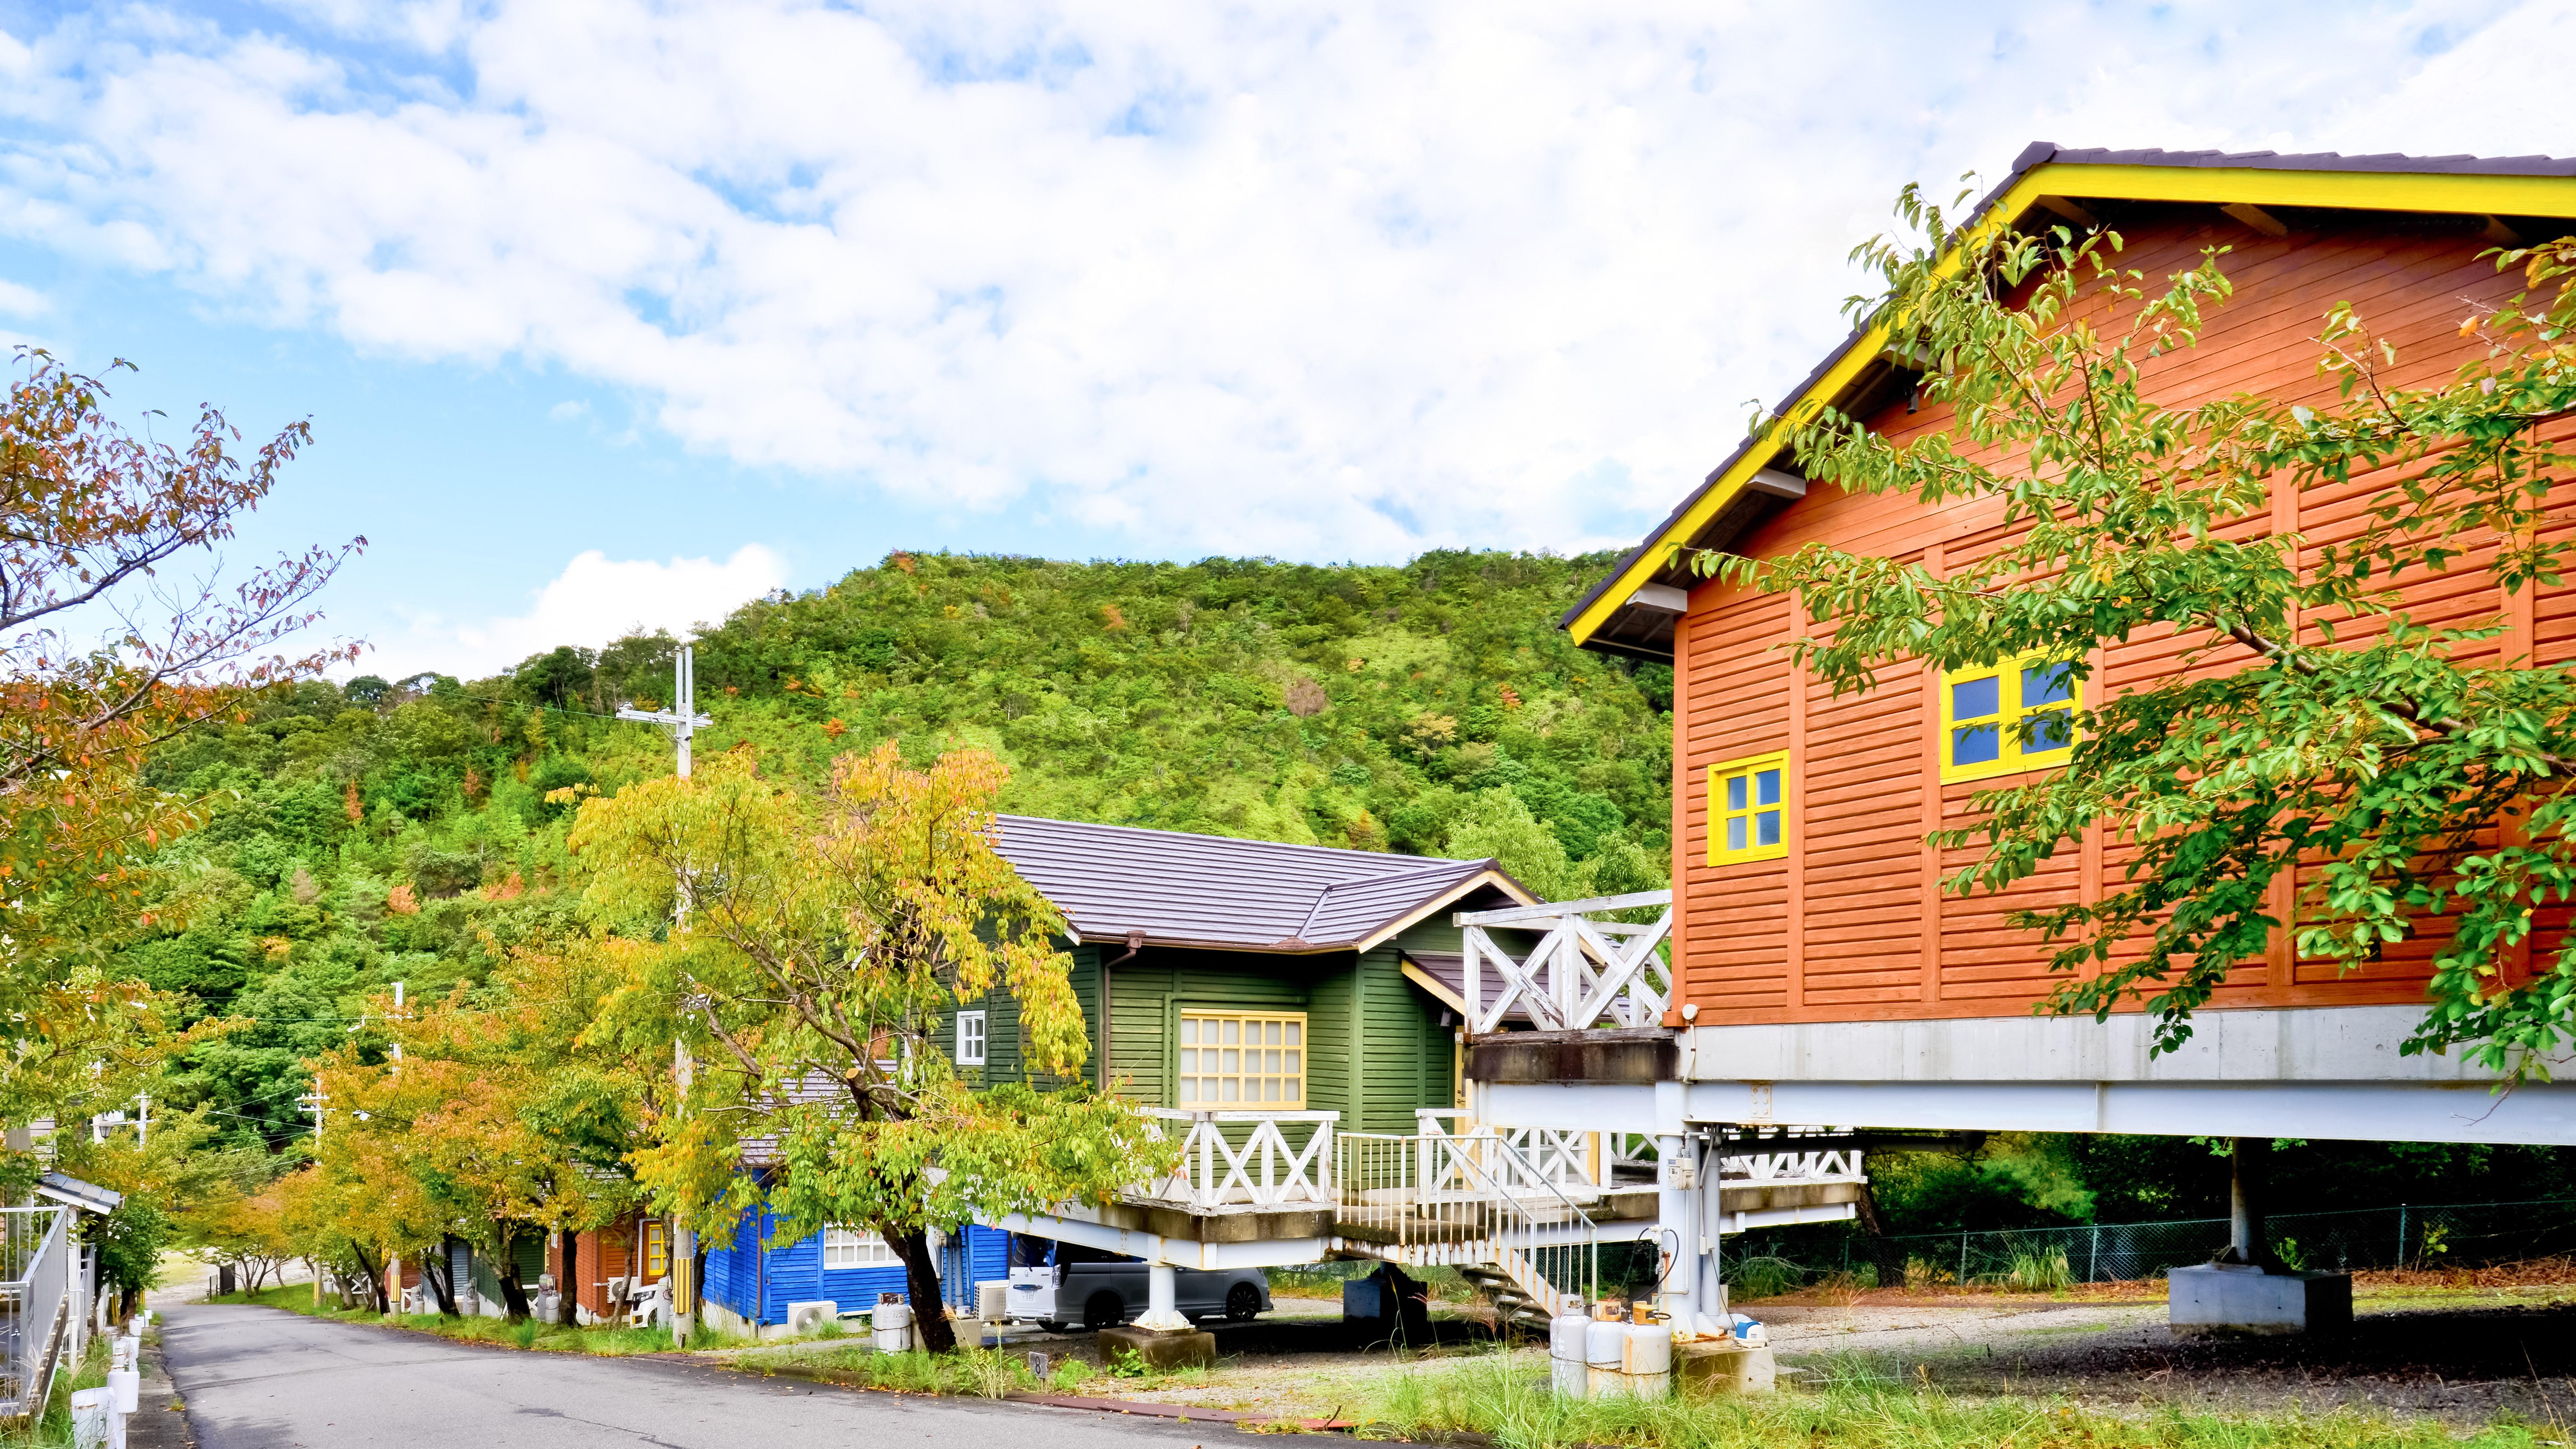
<point>609,313</point>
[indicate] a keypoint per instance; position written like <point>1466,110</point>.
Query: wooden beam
<point>2256,217</point>
<point>2067,209</point>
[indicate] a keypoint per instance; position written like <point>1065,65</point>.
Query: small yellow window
<point>657,1250</point>
<point>1243,1060</point>
<point>1748,809</point>
<point>2006,718</point>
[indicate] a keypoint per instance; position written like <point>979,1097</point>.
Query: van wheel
<point>1242,1303</point>
<point>1103,1310</point>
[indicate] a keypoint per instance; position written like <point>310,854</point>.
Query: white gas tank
<point>1565,1351</point>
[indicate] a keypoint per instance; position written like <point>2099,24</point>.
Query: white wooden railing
<point>1780,1158</point>
<point>1582,973</point>
<point>1247,1159</point>
<point>1591,1161</point>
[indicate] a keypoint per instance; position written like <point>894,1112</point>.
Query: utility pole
<point>313,1101</point>
<point>682,720</point>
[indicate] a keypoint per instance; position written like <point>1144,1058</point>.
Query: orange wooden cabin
<point>1813,940</point>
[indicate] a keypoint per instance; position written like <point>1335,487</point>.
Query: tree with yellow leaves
<point>815,940</point>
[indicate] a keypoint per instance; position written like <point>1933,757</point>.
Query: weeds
<point>1850,1404</point>
<point>1765,1277</point>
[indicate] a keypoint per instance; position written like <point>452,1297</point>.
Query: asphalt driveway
<point>261,1378</point>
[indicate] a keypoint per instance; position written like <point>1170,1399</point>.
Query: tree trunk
<point>567,1289</point>
<point>375,1280</point>
<point>921,1287</point>
<point>433,1271</point>
<point>514,1295</point>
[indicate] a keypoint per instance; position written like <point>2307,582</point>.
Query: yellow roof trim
<point>1433,986</point>
<point>2354,190</point>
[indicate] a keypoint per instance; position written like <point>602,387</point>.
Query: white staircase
<point>1475,1203</point>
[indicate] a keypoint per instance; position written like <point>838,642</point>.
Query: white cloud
<point>18,301</point>
<point>1333,281</point>
<point>595,599</point>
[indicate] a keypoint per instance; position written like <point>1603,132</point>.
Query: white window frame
<point>1201,1076</point>
<point>848,1248</point>
<point>971,1039</point>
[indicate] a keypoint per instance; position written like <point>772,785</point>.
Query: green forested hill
<point>388,832</point>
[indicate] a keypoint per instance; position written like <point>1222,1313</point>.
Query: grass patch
<point>1860,1407</point>
<point>53,1428</point>
<point>530,1335</point>
<point>989,1373</point>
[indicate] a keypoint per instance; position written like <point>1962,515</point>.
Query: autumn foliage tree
<point>503,1117</point>
<point>2317,734</point>
<point>818,937</point>
<point>107,649</point>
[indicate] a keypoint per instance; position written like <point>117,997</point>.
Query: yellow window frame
<point>1737,805</point>
<point>657,1249</point>
<point>1218,1068</point>
<point>2007,721</point>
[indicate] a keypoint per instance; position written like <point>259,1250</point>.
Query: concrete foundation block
<point>1724,1367</point>
<point>2238,1298</point>
<point>1162,1352</point>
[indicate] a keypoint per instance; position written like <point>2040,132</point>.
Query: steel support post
<point>1163,1300</point>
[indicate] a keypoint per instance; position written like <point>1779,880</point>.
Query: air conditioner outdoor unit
<point>616,1290</point>
<point>809,1317</point>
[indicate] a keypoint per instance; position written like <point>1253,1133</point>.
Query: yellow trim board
<point>2358,190</point>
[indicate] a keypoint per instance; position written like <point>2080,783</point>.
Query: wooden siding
<point>1376,1048</point>
<point>1854,924</point>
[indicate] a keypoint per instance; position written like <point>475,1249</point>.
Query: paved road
<point>260,1378</point>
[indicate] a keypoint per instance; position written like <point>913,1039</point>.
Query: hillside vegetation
<point>381,832</point>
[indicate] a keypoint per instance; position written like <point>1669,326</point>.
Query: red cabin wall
<point>1853,924</point>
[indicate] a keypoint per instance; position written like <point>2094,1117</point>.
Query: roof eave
<point>1492,875</point>
<point>2039,171</point>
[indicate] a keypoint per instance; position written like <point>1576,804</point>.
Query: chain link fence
<point>2406,1236</point>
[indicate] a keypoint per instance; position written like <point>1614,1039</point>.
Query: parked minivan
<point>1056,1284</point>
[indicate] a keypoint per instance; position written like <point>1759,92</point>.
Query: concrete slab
<point>1164,1352</point>
<point>2239,1298</point>
<point>1724,1367</point>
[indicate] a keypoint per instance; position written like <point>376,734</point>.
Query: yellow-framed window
<point>1247,1060</point>
<point>1748,809</point>
<point>657,1249</point>
<point>2008,717</point>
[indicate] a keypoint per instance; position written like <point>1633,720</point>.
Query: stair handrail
<point>1505,1200</point>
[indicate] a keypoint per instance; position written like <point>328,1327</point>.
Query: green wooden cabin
<point>1342,962</point>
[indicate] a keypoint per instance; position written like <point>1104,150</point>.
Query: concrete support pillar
<point>2245,1237</point>
<point>1163,1300</point>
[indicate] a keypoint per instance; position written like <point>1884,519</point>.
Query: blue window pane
<point>1766,789</point>
<point>2052,730</point>
<point>1976,745</point>
<point>2046,684</point>
<point>1735,792</point>
<point>1735,833</point>
<point>1766,828</point>
<point>1976,698</point>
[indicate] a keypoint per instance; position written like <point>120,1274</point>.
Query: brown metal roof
<point>1648,634</point>
<point>1236,895</point>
